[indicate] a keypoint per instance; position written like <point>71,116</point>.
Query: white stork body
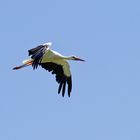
<point>53,62</point>
<point>57,58</point>
<point>51,55</point>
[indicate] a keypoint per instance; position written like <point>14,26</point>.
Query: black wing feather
<point>61,78</point>
<point>64,87</point>
<point>60,87</point>
<point>37,54</point>
<point>69,82</point>
<point>34,50</point>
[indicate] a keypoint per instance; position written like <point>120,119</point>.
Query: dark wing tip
<point>60,87</point>
<point>34,50</point>
<point>69,82</point>
<point>64,87</point>
<point>37,55</point>
<point>61,78</point>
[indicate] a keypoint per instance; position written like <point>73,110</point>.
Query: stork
<point>51,61</point>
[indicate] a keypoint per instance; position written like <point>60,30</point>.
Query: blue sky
<point>104,104</point>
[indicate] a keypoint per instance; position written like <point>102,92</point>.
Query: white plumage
<point>52,61</point>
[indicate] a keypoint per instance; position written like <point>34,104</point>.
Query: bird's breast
<point>49,56</point>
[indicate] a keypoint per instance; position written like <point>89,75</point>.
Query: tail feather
<point>27,61</point>
<point>25,64</point>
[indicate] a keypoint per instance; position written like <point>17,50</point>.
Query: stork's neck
<point>68,57</point>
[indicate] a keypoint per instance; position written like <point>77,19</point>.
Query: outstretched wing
<point>61,78</point>
<point>37,54</point>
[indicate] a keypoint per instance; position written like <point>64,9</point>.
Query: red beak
<point>79,59</point>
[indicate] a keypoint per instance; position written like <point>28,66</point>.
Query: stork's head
<point>76,58</point>
<point>48,44</point>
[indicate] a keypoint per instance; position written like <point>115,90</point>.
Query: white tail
<point>26,63</point>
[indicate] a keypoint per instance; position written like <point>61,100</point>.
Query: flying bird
<point>53,62</point>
